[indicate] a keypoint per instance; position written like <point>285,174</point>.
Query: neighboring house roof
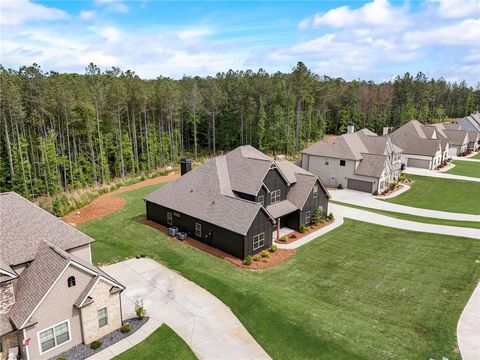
<point>371,165</point>
<point>429,131</point>
<point>347,146</point>
<point>413,140</point>
<point>5,324</point>
<point>457,137</point>
<point>24,225</point>
<point>208,192</point>
<point>473,136</point>
<point>451,126</point>
<point>38,278</point>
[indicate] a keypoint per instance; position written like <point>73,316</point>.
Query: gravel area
<point>83,351</point>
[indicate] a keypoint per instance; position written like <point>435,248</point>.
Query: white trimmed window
<point>258,241</point>
<point>275,196</point>
<point>102,317</point>
<point>261,200</point>
<point>71,281</point>
<point>169,218</point>
<point>307,217</point>
<point>55,336</point>
<point>315,191</point>
<point>198,229</point>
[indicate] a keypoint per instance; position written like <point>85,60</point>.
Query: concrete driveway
<point>468,329</point>
<point>206,324</point>
<point>364,199</point>
<point>437,174</point>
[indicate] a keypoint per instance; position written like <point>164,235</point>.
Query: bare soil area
<point>109,203</point>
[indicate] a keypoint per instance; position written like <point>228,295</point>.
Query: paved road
<point>468,328</point>
<point>437,174</point>
<point>206,324</point>
<point>367,216</point>
<point>364,199</point>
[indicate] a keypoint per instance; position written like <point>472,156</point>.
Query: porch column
<point>278,229</point>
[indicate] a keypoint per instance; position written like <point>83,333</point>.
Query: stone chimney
<point>350,128</point>
<point>385,130</point>
<point>7,297</point>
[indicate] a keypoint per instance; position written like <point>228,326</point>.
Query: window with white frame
<point>71,281</point>
<point>327,162</point>
<point>275,196</point>
<point>198,229</point>
<point>315,191</point>
<point>258,241</point>
<point>169,218</point>
<point>343,163</point>
<point>261,200</point>
<point>102,317</point>
<point>307,217</point>
<point>54,336</point>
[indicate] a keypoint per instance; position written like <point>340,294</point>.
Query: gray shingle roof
<point>281,208</point>
<point>5,325</point>
<point>473,136</point>
<point>412,139</point>
<point>457,137</point>
<point>208,192</point>
<point>371,165</point>
<point>24,225</point>
<point>36,280</point>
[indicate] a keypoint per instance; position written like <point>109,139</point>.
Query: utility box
<point>185,165</point>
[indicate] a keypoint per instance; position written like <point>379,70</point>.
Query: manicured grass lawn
<point>476,156</point>
<point>441,194</point>
<point>163,344</point>
<point>466,168</point>
<point>359,292</point>
<point>426,220</point>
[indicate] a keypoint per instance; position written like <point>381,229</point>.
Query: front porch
<point>284,231</point>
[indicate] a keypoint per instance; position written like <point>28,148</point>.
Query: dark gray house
<point>236,202</point>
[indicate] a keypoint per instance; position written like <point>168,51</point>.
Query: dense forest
<point>68,131</point>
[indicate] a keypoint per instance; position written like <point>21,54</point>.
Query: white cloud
<point>376,13</point>
<point>466,32</point>
<point>16,12</point>
<point>88,14</point>
<point>458,8</point>
<point>114,6</point>
<point>194,33</point>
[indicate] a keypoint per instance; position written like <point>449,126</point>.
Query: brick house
<point>51,296</point>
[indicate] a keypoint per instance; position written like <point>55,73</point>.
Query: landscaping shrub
<point>265,254</point>
<point>284,238</point>
<point>95,344</point>
<point>392,185</point>
<point>302,228</point>
<point>375,193</point>
<point>339,187</point>
<point>126,328</point>
<point>140,309</point>
<point>273,248</point>
<point>256,257</point>
<point>248,261</point>
<point>61,358</point>
<point>316,217</point>
<point>330,216</point>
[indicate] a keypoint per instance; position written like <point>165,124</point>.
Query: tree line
<point>68,131</point>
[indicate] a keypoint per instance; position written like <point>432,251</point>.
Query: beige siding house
<point>51,296</point>
<point>358,160</point>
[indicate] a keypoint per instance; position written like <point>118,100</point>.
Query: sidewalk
<point>468,329</point>
<point>426,172</point>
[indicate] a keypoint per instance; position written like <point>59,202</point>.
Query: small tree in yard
<point>316,216</point>
<point>140,309</point>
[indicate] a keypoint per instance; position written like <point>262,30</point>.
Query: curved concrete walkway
<point>466,159</point>
<point>437,174</point>
<point>374,218</point>
<point>312,236</point>
<point>367,200</point>
<point>206,324</point>
<point>468,328</point>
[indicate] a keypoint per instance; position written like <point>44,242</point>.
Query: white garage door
<point>359,185</point>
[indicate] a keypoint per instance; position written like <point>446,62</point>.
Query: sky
<point>369,40</point>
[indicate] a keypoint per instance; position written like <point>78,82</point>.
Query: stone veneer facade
<point>7,297</point>
<point>102,298</point>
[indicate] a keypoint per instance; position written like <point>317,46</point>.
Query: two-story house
<point>237,202</point>
<point>51,296</point>
<point>361,161</point>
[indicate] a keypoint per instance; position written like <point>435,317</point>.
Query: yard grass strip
<point>162,344</point>
<point>465,168</point>
<point>361,291</point>
<point>432,193</point>
<point>476,156</point>
<point>420,219</point>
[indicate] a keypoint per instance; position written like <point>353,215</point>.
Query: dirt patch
<point>275,258</point>
<point>109,203</point>
<point>292,237</point>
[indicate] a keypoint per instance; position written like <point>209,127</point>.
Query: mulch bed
<point>275,258</point>
<point>292,237</point>
<point>109,203</point>
<point>82,351</point>
<point>397,187</point>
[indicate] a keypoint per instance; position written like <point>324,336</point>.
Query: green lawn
<point>476,156</point>
<point>441,194</point>
<point>426,220</point>
<point>359,292</point>
<point>466,168</point>
<point>163,344</point>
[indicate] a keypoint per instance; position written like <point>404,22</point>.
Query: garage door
<point>419,163</point>
<point>359,185</point>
